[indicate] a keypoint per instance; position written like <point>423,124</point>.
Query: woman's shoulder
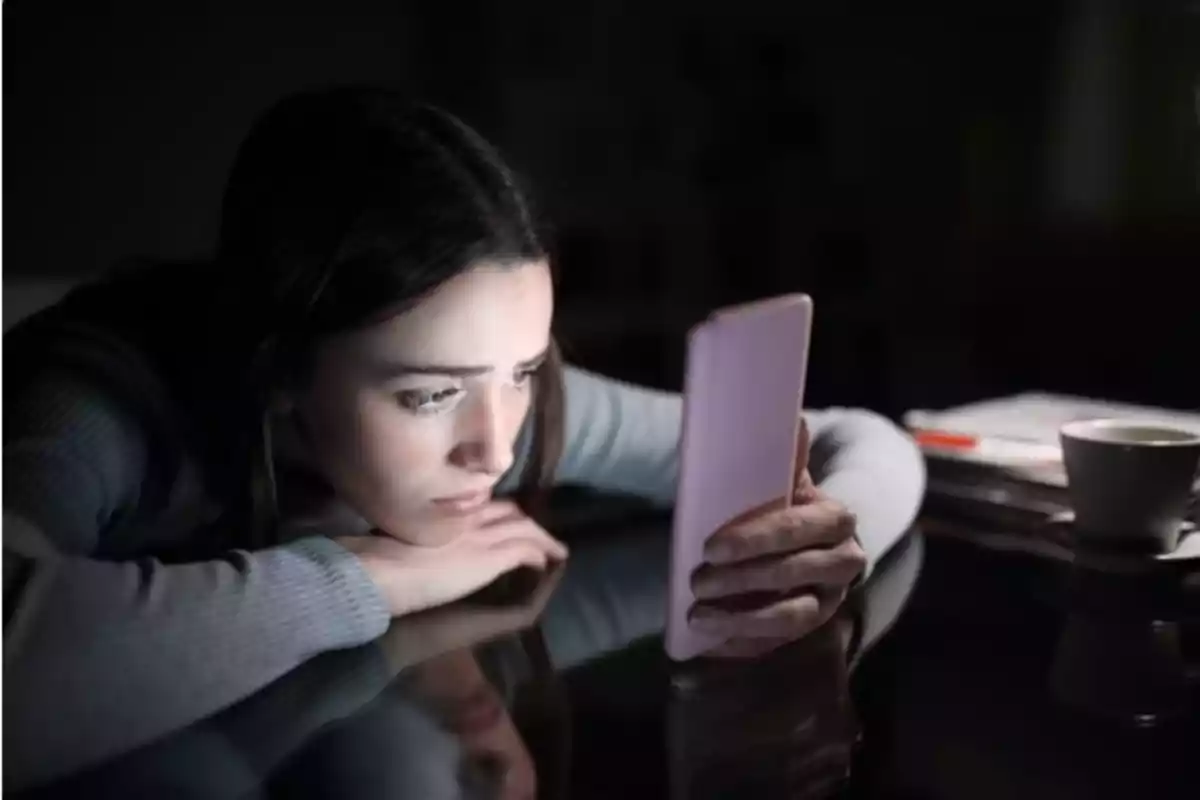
<point>75,458</point>
<point>77,386</point>
<point>65,411</point>
<point>114,340</point>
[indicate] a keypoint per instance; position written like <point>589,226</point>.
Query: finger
<point>548,544</point>
<point>831,567</point>
<point>804,490</point>
<point>525,529</point>
<point>787,619</point>
<point>746,648</point>
<point>515,553</point>
<point>822,523</point>
<point>543,542</point>
<point>497,512</point>
<point>532,532</point>
<point>802,482</point>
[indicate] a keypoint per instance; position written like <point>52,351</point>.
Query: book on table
<point>998,462</point>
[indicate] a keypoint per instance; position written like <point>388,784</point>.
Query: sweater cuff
<point>353,611</point>
<point>885,507</point>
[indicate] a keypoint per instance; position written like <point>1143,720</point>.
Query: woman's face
<point>414,421</point>
<point>470,707</point>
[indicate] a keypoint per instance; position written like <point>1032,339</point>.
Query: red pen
<point>945,439</point>
<point>987,448</point>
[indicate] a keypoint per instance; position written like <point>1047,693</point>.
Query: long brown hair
<point>345,206</point>
<point>546,444</point>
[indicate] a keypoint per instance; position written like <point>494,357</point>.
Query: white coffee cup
<point>1130,482</point>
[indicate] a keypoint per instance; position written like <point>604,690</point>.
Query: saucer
<point>1188,548</point>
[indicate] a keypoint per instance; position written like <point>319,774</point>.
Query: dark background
<point>982,198</point>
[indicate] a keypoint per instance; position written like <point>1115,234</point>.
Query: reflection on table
<point>496,697</point>
<point>1016,674</point>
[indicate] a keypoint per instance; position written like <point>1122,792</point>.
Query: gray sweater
<point>118,647</point>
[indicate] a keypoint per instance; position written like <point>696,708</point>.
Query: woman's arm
<point>873,468</point>
<point>101,657</point>
<point>625,438</point>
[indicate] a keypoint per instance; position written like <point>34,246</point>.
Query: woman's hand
<point>415,578</point>
<point>461,625</point>
<point>776,573</point>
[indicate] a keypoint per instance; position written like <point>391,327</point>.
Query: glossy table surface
<point>1007,676</point>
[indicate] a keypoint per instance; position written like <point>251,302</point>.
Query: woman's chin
<point>428,532</point>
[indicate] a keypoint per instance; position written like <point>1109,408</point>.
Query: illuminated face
<point>414,420</point>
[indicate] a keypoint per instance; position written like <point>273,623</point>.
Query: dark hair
<point>344,207</point>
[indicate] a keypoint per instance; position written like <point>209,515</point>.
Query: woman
<point>238,465</point>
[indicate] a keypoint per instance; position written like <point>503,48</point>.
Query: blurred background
<point>981,197</point>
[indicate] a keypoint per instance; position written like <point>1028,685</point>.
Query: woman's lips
<point>462,504</point>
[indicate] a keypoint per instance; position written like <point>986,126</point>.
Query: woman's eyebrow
<point>391,370</point>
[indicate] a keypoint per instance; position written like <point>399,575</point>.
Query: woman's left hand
<point>775,574</point>
<point>416,638</point>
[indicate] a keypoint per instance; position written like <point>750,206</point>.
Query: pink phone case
<point>743,393</point>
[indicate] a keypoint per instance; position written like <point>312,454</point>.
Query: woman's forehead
<point>491,315</point>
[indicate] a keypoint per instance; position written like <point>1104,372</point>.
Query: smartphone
<point>743,394</point>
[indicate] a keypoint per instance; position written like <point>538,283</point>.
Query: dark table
<point>1006,676</point>
<point>1017,676</point>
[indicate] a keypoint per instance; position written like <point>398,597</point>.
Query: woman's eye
<point>427,400</point>
<point>524,377</point>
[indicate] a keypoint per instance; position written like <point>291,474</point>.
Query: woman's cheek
<point>401,443</point>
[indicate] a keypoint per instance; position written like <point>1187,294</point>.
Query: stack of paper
<point>999,461</point>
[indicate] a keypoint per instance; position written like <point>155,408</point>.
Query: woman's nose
<point>487,441</point>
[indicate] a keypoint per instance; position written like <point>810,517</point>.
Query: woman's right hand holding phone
<point>413,578</point>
